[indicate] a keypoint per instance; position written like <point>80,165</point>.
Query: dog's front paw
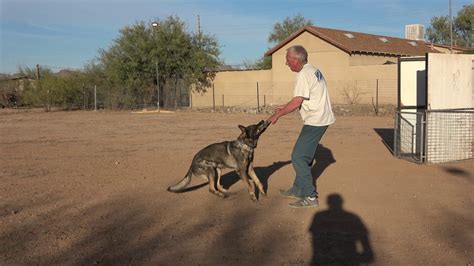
<point>253,197</point>
<point>218,193</point>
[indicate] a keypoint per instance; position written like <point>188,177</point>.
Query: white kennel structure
<point>434,122</point>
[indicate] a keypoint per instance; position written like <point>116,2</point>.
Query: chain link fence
<point>257,95</point>
<point>176,94</point>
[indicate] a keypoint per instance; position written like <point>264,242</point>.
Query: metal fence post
<point>396,134</point>
<point>213,98</point>
<point>258,99</point>
<point>422,137</point>
<point>377,98</point>
<point>95,97</point>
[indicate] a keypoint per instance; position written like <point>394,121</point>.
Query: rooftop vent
<point>412,43</point>
<point>383,39</point>
<point>349,35</point>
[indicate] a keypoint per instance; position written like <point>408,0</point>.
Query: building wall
<point>235,88</point>
<point>351,78</point>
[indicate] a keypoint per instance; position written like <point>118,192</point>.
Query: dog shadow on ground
<point>230,178</point>
<point>322,160</point>
<point>263,173</point>
<point>339,237</point>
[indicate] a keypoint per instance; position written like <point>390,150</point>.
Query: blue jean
<point>302,159</point>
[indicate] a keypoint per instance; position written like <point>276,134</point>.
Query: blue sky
<point>69,33</point>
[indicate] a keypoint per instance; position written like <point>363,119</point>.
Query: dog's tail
<point>181,185</point>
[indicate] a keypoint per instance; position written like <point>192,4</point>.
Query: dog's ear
<point>242,128</point>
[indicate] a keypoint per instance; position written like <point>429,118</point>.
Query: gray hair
<point>299,53</point>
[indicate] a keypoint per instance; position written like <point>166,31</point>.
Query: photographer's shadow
<point>339,237</point>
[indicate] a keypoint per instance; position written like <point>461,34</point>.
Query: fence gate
<point>408,135</point>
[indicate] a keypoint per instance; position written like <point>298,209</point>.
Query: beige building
<point>360,68</point>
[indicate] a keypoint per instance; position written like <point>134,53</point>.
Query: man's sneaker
<point>305,203</point>
<point>288,194</point>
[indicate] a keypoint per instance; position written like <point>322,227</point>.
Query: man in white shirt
<point>312,98</point>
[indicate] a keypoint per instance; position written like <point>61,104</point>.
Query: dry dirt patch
<point>90,187</point>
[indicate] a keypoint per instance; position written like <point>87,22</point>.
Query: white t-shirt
<point>316,108</point>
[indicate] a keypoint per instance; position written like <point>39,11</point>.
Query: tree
<point>280,32</point>
<point>463,25</point>
<point>439,31</point>
<point>289,26</point>
<point>132,61</point>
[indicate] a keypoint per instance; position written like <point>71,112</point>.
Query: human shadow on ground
<point>339,237</point>
<point>387,135</point>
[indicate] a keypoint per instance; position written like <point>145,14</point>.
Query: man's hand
<point>274,118</point>
<point>282,110</point>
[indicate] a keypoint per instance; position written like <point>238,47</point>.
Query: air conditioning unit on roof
<point>415,32</point>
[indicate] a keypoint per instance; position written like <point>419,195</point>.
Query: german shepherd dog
<point>238,155</point>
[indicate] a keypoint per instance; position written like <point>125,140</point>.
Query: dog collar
<point>243,146</point>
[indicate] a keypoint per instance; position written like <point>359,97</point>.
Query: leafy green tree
<point>439,30</point>
<point>281,31</point>
<point>463,26</point>
<point>133,60</point>
<point>287,27</point>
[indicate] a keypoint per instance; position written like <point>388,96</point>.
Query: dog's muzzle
<point>262,126</point>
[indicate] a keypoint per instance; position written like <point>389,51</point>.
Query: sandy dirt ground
<point>83,188</point>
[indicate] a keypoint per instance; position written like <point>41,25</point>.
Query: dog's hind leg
<point>211,173</point>
<point>219,185</point>
<point>255,179</point>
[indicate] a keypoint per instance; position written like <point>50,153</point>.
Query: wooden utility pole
<point>37,71</point>
<point>199,25</point>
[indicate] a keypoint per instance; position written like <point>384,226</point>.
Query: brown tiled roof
<point>356,43</point>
